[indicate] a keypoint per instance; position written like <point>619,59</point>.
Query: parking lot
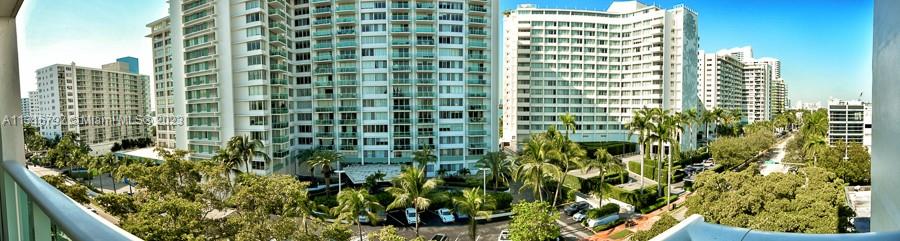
<point>431,224</point>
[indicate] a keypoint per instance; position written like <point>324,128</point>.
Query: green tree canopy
<point>533,221</point>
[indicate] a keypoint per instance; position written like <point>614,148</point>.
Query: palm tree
<point>423,157</point>
<point>323,160</point>
<point>245,149</point>
<point>474,203</point>
<point>568,121</point>
<point>689,118</point>
<point>706,118</point>
<point>108,163</point>
<point>728,119</point>
<point>535,164</point>
<point>675,123</point>
<point>356,202</point>
<point>411,188</point>
<point>816,123</point>
<point>814,146</point>
<point>640,123</point>
<point>570,155</point>
<point>500,166</point>
<point>304,208</point>
<point>604,163</point>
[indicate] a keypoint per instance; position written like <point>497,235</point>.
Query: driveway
<point>431,224</point>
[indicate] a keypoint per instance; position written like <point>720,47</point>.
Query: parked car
<point>446,215</point>
<point>604,220</point>
<point>363,217</point>
<point>580,215</point>
<point>504,236</point>
<point>411,216</point>
<point>575,207</point>
<point>440,237</point>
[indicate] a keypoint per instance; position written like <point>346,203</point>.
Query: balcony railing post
<point>40,223</point>
<point>14,207</point>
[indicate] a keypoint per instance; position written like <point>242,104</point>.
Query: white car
<point>579,216</point>
<point>411,216</point>
<point>363,217</point>
<point>504,236</point>
<point>446,215</point>
<point>604,220</point>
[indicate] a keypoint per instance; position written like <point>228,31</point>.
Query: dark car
<point>440,237</point>
<point>575,207</point>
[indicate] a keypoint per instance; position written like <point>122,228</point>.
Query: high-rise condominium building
<point>164,91</point>
<point>600,66</point>
<point>721,83</point>
<point>849,121</point>
<point>373,80</point>
<point>26,109</point>
<point>103,106</point>
<point>764,90</point>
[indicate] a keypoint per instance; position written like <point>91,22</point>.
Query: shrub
<point>502,200</point>
<point>329,201</point>
<point>660,226</point>
<point>603,211</point>
<point>609,225</point>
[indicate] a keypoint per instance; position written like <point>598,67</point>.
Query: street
<point>431,224</point>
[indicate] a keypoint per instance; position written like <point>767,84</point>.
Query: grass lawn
<point>620,234</point>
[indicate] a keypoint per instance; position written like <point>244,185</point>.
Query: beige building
<point>103,105</point>
<point>163,84</point>
<point>721,82</point>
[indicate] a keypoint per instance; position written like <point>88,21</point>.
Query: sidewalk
<point>645,222</point>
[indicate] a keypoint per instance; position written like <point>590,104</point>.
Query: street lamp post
<point>484,179</point>
<point>339,179</point>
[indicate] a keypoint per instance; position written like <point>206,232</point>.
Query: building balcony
<point>348,108</point>
<point>402,121</point>
<point>279,96</point>
<point>400,42</point>
<point>426,55</point>
<point>424,17</point>
<point>401,81</point>
<point>478,20</point>
<point>348,134</point>
<point>346,32</point>
<point>402,134</point>
<point>425,42</point>
<point>477,132</point>
<point>477,94</point>
<point>399,30</point>
<point>277,40</point>
<point>277,27</point>
<point>477,9</point>
<point>320,1</point>
<point>477,145</point>
<point>345,8</point>
<point>477,120</point>
<point>323,83</point>
<point>35,210</point>
<point>321,10</point>
<point>323,58</point>
<point>478,57</point>
<point>400,55</point>
<point>425,30</point>
<point>401,68</point>
<point>424,81</point>
<point>425,133</point>
<point>425,107</point>
<point>476,82</point>
<point>425,120</point>
<point>346,70</point>
<point>426,94</point>
<point>324,121</point>
<point>402,107</point>
<point>324,70</point>
<point>348,122</point>
<point>277,3</point>
<point>322,21</point>
<point>425,68</point>
<point>325,45</point>
<point>278,67</point>
<point>402,147</point>
<point>477,44</point>
<point>400,18</point>
<point>346,57</point>
<point>322,33</point>
<point>277,14</point>
<point>349,148</point>
<point>347,82</point>
<point>324,109</point>
<point>477,107</point>
<point>424,5</point>
<point>278,81</point>
<point>400,5</point>
<point>346,44</point>
<point>347,95</point>
<point>477,69</point>
<point>402,94</point>
<point>279,110</point>
<point>481,32</point>
<point>325,135</point>
<point>324,96</point>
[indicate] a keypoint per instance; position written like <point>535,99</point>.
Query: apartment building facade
<point>721,83</point>
<point>372,80</point>
<point>102,105</point>
<point>850,121</point>
<point>600,66</point>
<point>164,85</point>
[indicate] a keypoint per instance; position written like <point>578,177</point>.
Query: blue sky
<point>825,46</point>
